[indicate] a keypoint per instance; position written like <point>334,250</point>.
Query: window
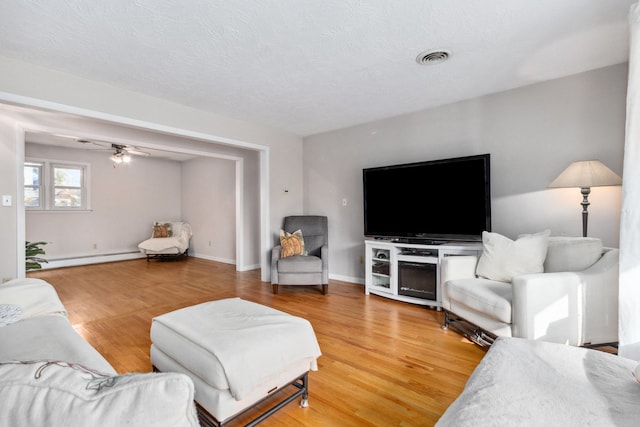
<point>67,186</point>
<point>56,186</point>
<point>33,185</point>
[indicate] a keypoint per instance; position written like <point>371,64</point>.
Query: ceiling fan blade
<point>136,152</point>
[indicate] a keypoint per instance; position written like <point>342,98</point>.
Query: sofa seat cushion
<point>49,338</point>
<point>489,297</point>
<point>572,253</point>
<point>300,264</point>
<point>64,394</point>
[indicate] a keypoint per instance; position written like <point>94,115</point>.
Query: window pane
<point>31,175</point>
<point>32,197</point>
<point>68,198</point>
<point>68,177</point>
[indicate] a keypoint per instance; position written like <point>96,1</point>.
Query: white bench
<point>237,353</point>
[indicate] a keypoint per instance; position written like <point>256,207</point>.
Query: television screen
<point>437,200</point>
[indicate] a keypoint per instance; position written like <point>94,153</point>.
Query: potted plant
<point>31,252</point>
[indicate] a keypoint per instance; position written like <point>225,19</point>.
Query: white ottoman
<point>237,353</point>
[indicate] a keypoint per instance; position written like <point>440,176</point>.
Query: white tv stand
<point>382,276</point>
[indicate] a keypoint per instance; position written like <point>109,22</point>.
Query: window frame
<point>48,186</point>
<point>40,187</point>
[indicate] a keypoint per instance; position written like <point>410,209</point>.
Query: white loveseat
<point>50,375</point>
<point>573,299</point>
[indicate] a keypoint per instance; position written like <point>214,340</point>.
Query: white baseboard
<point>358,280</point>
<point>213,258</point>
<point>98,259</point>
<point>91,259</point>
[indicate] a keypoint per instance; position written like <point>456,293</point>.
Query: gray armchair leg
<point>275,289</point>
<point>325,289</point>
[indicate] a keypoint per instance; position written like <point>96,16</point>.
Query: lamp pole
<point>585,204</point>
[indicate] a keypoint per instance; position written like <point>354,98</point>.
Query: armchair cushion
<point>300,264</point>
<point>503,258</point>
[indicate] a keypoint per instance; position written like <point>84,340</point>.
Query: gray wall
<point>208,203</point>
<point>125,201</point>
<point>532,134</point>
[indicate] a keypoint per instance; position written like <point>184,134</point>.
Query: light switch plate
<point>6,200</point>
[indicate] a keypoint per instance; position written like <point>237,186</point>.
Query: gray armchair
<point>312,269</point>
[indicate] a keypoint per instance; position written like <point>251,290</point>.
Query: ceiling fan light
<point>116,158</point>
<point>126,158</point>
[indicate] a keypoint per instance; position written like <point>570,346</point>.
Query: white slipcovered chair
<point>169,240</point>
<point>572,299</point>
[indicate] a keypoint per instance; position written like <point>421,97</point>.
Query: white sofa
<point>573,299</point>
<point>50,375</point>
<point>528,383</point>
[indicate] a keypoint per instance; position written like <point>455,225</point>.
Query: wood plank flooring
<point>383,363</point>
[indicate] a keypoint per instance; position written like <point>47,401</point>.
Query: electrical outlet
<point>6,200</point>
<point>95,246</point>
<point>344,202</point>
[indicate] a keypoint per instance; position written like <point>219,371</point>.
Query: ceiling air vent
<point>433,57</point>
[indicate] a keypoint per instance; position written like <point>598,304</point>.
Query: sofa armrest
<point>573,308</point>
<point>276,253</point>
<point>69,394</point>
<point>601,303</point>
<point>455,267</point>
<point>458,267</point>
<point>324,256</point>
<point>548,307</point>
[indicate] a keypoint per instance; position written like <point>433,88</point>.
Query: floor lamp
<point>586,174</point>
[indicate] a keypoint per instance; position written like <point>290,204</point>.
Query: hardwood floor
<point>383,363</point>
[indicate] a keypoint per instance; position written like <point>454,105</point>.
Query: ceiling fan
<point>121,153</point>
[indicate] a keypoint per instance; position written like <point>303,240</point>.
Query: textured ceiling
<point>311,66</point>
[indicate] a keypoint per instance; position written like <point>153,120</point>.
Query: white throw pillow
<point>68,394</point>
<point>503,258</point>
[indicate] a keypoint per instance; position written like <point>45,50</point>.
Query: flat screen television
<point>438,200</point>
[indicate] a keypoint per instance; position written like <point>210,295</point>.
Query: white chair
<point>573,301</point>
<point>169,240</point>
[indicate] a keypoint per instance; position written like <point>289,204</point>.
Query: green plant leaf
<point>32,262</point>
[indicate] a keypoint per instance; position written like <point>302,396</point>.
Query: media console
<point>410,272</point>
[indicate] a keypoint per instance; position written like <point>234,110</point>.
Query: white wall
<point>125,201</point>
<point>532,133</point>
<point>208,202</point>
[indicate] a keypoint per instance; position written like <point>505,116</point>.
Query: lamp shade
<point>586,174</point>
